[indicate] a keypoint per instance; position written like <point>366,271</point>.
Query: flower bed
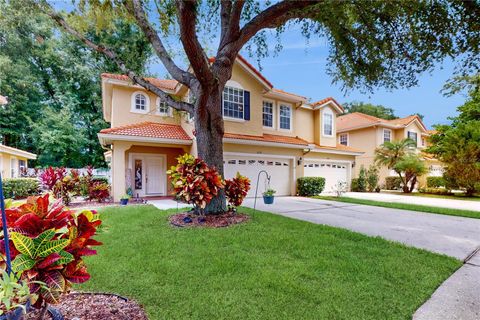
<point>187,219</point>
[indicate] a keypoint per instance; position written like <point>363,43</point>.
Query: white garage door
<point>279,170</point>
<point>333,172</point>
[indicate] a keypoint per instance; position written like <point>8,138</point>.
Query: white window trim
<point>383,135</point>
<point>132,105</point>
<point>234,85</point>
<point>163,114</point>
<point>348,138</point>
<point>274,107</point>
<point>329,112</point>
<point>291,117</point>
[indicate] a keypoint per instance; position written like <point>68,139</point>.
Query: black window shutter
<point>246,105</point>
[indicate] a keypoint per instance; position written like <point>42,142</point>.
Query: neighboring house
<point>13,161</point>
<point>265,129</point>
<point>366,133</point>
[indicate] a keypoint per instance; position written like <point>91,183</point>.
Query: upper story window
<point>387,135</point>
<point>233,103</point>
<point>412,135</point>
<point>163,108</point>
<point>423,142</point>
<point>344,139</point>
<point>140,102</point>
<point>327,123</point>
<point>285,117</point>
<point>267,114</point>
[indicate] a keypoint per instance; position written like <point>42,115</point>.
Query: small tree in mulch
<point>195,183</point>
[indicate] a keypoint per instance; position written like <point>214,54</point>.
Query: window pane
<point>233,103</point>
<point>140,102</point>
<point>344,139</point>
<point>285,115</point>
<point>267,114</point>
<point>327,124</point>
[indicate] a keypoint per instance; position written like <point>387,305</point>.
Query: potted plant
<point>124,199</point>
<point>15,297</point>
<point>268,196</point>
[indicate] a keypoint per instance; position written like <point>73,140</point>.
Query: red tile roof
<point>161,83</point>
<point>329,99</point>
<point>150,130</point>
<point>289,93</point>
<point>267,138</point>
<point>360,120</point>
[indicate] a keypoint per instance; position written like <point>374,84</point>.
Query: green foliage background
<point>53,85</point>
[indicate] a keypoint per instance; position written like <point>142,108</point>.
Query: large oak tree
<point>372,43</point>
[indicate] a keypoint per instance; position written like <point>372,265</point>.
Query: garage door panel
<point>333,172</point>
<point>279,169</point>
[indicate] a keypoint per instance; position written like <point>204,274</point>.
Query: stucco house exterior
<point>265,129</point>
<point>366,133</point>
<point>12,160</point>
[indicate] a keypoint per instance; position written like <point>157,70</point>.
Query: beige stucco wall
<point>5,164</point>
<point>122,109</point>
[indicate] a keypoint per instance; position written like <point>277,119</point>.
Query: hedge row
<point>393,183</point>
<point>435,182</point>
<point>19,188</point>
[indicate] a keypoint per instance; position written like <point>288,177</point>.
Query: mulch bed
<point>188,219</point>
<point>95,306</point>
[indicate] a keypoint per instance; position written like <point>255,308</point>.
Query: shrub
<point>98,191</point>
<point>19,188</point>
<point>361,183</point>
<point>372,178</point>
<point>438,191</point>
<point>194,182</point>
<point>435,182</point>
<point>354,185</point>
<point>48,243</point>
<point>236,189</point>
<point>310,186</point>
<point>393,183</point>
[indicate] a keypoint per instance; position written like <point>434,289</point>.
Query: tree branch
<point>179,105</point>
<point>178,74</point>
<point>187,19</point>
<point>275,16</point>
<point>230,16</point>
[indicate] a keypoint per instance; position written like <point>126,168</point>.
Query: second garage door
<point>333,172</point>
<point>279,169</point>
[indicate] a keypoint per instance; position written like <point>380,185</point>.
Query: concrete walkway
<point>458,297</point>
<point>426,201</point>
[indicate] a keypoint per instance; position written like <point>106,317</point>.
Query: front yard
<point>270,268</point>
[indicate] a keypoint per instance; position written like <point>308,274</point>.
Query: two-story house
<point>366,133</point>
<point>265,129</point>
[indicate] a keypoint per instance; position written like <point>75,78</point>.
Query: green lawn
<point>270,268</point>
<point>405,206</point>
<point>458,196</point>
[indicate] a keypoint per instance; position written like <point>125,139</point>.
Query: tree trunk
<point>209,129</point>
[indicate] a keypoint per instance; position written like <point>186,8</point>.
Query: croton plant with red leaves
<point>236,189</point>
<point>48,243</point>
<point>194,182</point>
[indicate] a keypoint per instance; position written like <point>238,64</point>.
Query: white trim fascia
<point>263,143</point>
<point>249,70</point>
<point>336,105</point>
<point>284,97</point>
<point>17,152</point>
<point>136,86</point>
<point>259,155</point>
<point>344,152</point>
<point>119,137</point>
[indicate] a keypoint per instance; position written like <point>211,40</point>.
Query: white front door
<point>155,176</point>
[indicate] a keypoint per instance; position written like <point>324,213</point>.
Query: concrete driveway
<point>453,236</point>
<point>425,201</point>
<point>457,297</point>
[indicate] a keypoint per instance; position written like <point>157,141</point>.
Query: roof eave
<point>264,143</point>
<point>106,139</point>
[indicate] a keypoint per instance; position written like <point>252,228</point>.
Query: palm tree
<point>390,153</point>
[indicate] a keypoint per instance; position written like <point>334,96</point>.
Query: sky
<point>301,68</point>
